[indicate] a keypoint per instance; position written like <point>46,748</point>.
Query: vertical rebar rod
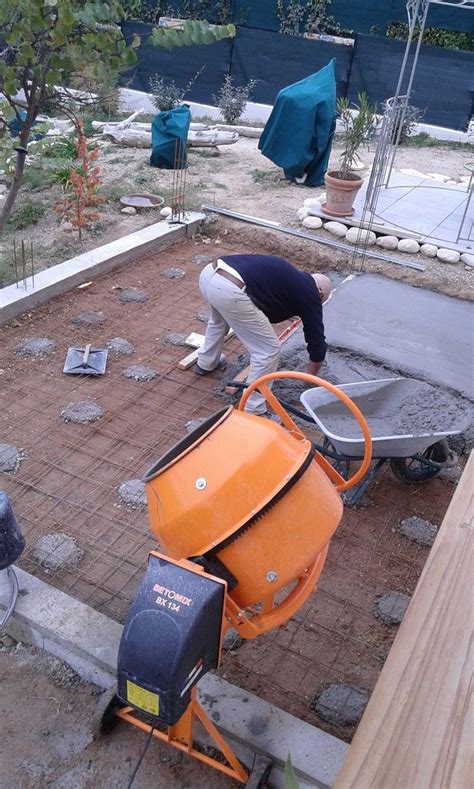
<point>23,262</point>
<point>15,261</point>
<point>32,265</point>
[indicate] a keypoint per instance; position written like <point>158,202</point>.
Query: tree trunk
<point>13,191</point>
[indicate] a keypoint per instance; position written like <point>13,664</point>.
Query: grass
<point>26,215</point>
<point>265,178</point>
<point>424,140</point>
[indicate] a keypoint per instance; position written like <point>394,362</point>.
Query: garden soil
<point>239,178</point>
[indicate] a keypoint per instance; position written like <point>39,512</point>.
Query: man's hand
<point>313,367</point>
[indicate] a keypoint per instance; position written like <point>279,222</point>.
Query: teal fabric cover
<point>298,134</point>
<point>167,128</point>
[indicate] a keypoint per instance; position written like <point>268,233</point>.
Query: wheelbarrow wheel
<point>419,468</point>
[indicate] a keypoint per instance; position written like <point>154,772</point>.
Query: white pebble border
<point>410,246</point>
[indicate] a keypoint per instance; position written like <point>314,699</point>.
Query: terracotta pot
<point>340,194</point>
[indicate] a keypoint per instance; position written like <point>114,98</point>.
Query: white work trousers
<point>232,307</point>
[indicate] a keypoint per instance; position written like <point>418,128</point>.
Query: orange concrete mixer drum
<point>254,503</point>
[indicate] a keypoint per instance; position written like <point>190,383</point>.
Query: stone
<point>193,424</point>
<point>450,475</point>
<point>38,347</point>
<point>138,372</point>
<point>311,201</point>
<point>132,493</point>
<point>175,338</point>
<point>202,260</point>
<point>82,412</point>
<point>387,242</point>
<point>10,457</point>
<point>355,166</point>
<point>448,255</point>
<point>389,608</point>
<point>438,177</point>
<point>414,173</point>
<point>166,211</point>
<point>173,273</point>
<point>89,318</point>
<point>57,552</point>
<point>467,259</point>
<point>452,183</point>
<point>429,250</point>
<point>120,347</point>
<point>231,641</point>
<point>132,296</point>
<point>204,316</point>
<point>129,209</point>
<point>312,222</point>
<point>336,229</point>
<point>418,530</point>
<point>341,704</point>
<point>408,245</point>
<point>358,235</point>
<point>302,213</point>
<point>322,198</point>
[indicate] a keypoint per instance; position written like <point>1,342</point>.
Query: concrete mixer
<point>243,510</point>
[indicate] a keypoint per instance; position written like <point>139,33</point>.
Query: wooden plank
<point>283,336</point>
<point>191,358</point>
<point>416,732</point>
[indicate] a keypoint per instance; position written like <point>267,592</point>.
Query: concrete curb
<point>88,641</point>
<point>73,272</point>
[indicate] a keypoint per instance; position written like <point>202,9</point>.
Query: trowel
<point>85,361</point>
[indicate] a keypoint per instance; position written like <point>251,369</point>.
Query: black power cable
<point>137,766</point>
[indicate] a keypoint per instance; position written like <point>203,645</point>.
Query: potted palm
<point>342,185</point>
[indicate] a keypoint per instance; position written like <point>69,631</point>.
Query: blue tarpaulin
<point>168,131</point>
<point>299,131</point>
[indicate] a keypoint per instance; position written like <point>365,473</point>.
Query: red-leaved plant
<point>81,191</point>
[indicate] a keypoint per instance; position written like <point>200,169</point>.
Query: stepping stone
<point>202,260</point>
<point>10,457</point>
<point>132,296</point>
<point>418,530</point>
<point>38,347</point>
<point>356,235</point>
<point>132,492</point>
<point>387,242</point>
<point>341,704</point>
<point>57,552</point>
<point>429,250</point>
<point>448,256</point>
<point>312,222</point>
<point>129,209</point>
<point>166,211</point>
<point>120,347</point>
<point>390,607</point>
<point>173,273</point>
<point>408,245</point>
<point>336,229</point>
<point>302,213</point>
<point>467,259</point>
<point>82,412</point>
<point>89,318</point>
<point>139,373</point>
<point>174,338</point>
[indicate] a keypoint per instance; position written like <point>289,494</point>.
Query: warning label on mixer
<point>143,699</point>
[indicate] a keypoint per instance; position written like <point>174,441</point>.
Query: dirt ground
<point>239,178</point>
<point>50,738</point>
<point>68,480</point>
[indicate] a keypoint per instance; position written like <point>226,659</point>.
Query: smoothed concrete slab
<point>422,334</point>
<point>88,641</point>
<point>73,272</point>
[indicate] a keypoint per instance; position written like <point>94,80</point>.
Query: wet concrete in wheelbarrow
<point>68,479</point>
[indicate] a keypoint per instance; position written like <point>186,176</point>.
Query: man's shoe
<point>221,365</point>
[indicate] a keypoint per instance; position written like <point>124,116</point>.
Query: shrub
<point>232,99</point>
<point>166,95</point>
<point>413,116</point>
<point>436,36</point>
<point>28,214</point>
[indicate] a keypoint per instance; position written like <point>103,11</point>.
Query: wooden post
<point>417,730</point>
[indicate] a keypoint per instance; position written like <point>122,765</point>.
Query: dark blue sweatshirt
<point>282,291</point>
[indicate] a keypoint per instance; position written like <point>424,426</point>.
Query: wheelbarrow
<point>412,441</point>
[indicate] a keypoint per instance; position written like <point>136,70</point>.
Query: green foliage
<point>413,116</point>
<point>436,36</point>
<point>28,214</point>
<point>191,32</point>
<point>166,95</point>
<point>358,123</point>
<point>424,140</point>
<point>232,99</point>
<point>217,11</point>
<point>289,776</point>
<point>297,17</point>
